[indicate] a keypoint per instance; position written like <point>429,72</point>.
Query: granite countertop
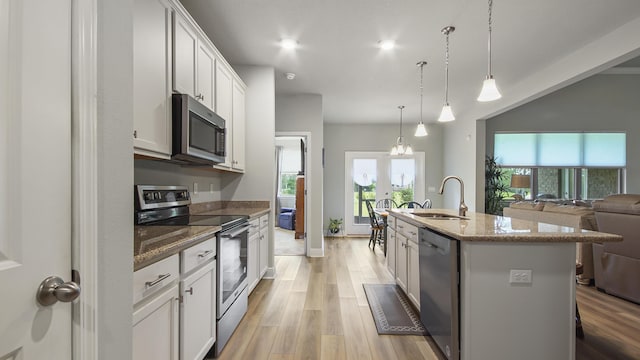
<point>154,243</point>
<point>483,227</point>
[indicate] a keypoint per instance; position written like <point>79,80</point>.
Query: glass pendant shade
<point>489,90</point>
<point>408,150</point>
<point>446,114</point>
<point>421,130</point>
<point>394,150</point>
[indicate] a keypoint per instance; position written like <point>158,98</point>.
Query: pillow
<point>527,205</point>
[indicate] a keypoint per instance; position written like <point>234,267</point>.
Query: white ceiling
<point>338,57</point>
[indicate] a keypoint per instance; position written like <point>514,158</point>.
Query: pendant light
<point>421,130</point>
<point>400,148</point>
<point>489,90</point>
<point>447,113</point>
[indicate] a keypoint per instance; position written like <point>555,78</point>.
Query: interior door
<point>35,175</point>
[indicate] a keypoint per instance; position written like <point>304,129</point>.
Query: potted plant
<point>334,225</point>
<point>494,186</point>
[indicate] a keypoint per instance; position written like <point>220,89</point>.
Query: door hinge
<point>305,192</point>
<point>305,235</point>
<point>180,299</point>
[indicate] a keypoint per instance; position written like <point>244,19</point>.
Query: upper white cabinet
<point>224,106</point>
<point>152,78</point>
<point>185,44</point>
<point>193,62</point>
<point>238,100</point>
<point>172,54</point>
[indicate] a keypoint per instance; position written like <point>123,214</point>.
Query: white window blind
<point>560,149</point>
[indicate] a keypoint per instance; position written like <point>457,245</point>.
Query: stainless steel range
<point>168,205</point>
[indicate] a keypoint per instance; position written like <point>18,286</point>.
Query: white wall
<point>115,184</point>
<point>303,113</point>
<point>599,103</point>
<point>339,138</point>
<point>149,172</point>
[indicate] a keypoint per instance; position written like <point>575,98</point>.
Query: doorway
<point>290,202</point>
<point>371,176</point>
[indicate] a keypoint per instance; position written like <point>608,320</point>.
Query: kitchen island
<point>514,283</point>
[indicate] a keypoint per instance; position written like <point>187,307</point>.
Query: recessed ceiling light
<point>386,44</point>
<point>288,43</point>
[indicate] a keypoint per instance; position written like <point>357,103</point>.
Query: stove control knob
<point>148,196</point>
<point>158,196</point>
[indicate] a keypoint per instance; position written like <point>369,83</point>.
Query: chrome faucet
<point>462,209</point>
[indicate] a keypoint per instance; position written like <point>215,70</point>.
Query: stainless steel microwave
<point>198,132</point>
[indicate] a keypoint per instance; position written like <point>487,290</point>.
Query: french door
<point>371,176</point>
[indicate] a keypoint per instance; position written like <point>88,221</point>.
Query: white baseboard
<point>316,252</point>
<point>270,273</point>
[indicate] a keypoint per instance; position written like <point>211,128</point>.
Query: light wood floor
<point>316,309</point>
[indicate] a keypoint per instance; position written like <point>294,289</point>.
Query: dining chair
<point>426,204</point>
<point>410,205</point>
<point>376,226</point>
<point>386,204</point>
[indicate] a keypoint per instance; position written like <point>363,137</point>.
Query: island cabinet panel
<point>413,273</point>
<point>401,261</point>
<point>522,315</point>
<point>152,78</point>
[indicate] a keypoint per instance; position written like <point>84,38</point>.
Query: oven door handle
<point>234,233</point>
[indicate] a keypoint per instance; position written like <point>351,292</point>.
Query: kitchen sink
<point>440,216</point>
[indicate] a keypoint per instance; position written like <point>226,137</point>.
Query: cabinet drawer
<point>264,221</point>
<point>408,230</point>
<point>391,222</point>
<point>154,277</point>
<point>254,225</point>
<point>197,254</point>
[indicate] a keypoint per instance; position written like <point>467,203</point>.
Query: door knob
<point>54,289</point>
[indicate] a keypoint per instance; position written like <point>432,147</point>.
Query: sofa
<point>617,264</point>
<point>580,217</point>
<point>287,218</point>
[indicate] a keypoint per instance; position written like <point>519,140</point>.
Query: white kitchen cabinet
<point>407,257</point>
<point>185,45</point>
<point>198,313</point>
<point>413,273</point>
<point>253,260</point>
<point>401,261</point>
<point>391,251</point>
<point>224,107</point>
<point>264,245</point>
<point>152,78</point>
<point>155,327</point>
<point>206,75</point>
<point>238,145</point>
<point>155,311</point>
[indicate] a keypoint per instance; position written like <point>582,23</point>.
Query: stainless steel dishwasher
<point>439,285</point>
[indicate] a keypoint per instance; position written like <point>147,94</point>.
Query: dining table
<point>383,213</point>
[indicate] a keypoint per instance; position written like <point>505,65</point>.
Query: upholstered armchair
<point>617,264</point>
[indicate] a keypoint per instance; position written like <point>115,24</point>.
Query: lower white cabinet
<point>197,300</point>
<point>253,256</point>
<point>413,273</point>
<point>198,313</point>
<point>401,261</point>
<point>156,311</point>
<point>155,327</point>
<point>258,250</point>
<point>391,251</point>
<point>407,258</point>
<point>264,245</point>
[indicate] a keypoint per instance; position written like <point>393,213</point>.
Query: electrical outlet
<point>520,276</point>
<point>195,188</point>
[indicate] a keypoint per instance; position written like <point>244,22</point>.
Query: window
<point>563,165</point>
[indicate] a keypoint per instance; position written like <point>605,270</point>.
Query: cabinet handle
<point>190,291</point>
<point>155,282</point>
<point>135,134</point>
<point>205,254</point>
